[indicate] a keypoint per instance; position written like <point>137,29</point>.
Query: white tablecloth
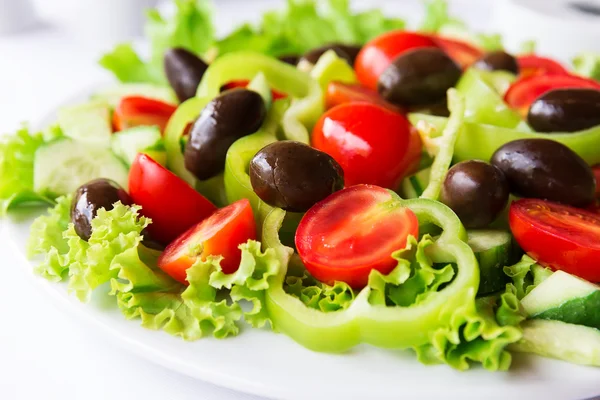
<point>45,353</point>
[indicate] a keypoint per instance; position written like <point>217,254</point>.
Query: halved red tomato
<point>463,53</point>
<point>558,236</point>
<point>352,232</point>
<point>172,204</point>
<point>525,91</point>
<point>530,65</point>
<point>342,93</point>
<point>218,235</point>
<point>244,83</point>
<point>140,111</point>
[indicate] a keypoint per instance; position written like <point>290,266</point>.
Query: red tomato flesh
<point>244,83</point>
<point>558,236</point>
<point>342,93</point>
<point>139,111</point>
<point>172,204</point>
<point>218,235</point>
<point>352,232</point>
<point>531,64</point>
<point>462,53</point>
<point>372,144</point>
<point>525,91</point>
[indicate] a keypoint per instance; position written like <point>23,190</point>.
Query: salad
<point>337,177</point>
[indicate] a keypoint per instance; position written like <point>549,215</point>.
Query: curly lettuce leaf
<point>317,295</point>
<point>526,275</point>
<point>588,64</point>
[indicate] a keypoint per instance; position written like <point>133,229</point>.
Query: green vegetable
<point>493,250</point>
<point>330,68</point>
<point>88,123</point>
<point>128,143</point>
<point>479,141</point>
<point>564,297</point>
<point>113,95</point>
<point>526,275</point>
<point>414,186</point>
<point>260,85</point>
<point>573,343</point>
<point>588,64</point>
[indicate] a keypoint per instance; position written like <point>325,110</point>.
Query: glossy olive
<point>184,72</point>
<point>418,77</point>
<point>476,191</point>
<point>498,61</point>
<point>291,59</point>
<point>232,115</point>
<point>294,176</point>
<point>565,110</point>
<point>545,169</point>
<point>89,198</point>
<point>347,52</point>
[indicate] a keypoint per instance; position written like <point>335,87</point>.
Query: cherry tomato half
<point>525,91</point>
<point>173,205</point>
<point>372,144</point>
<point>352,232</point>
<point>218,235</point>
<point>341,93</point>
<point>140,111</point>
<point>531,64</point>
<point>244,83</point>
<point>558,236</point>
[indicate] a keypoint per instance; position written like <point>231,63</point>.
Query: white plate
<point>272,365</point>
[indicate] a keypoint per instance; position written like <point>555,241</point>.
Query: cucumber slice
<point>128,143</point>
<point>567,298</point>
<point>493,250</point>
<point>112,96</point>
<point>573,343</point>
<point>89,122</point>
<point>414,186</point>
<point>63,165</point>
<point>261,86</point>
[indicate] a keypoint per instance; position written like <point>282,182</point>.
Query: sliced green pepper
<point>479,141</point>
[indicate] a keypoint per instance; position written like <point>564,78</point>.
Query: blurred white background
<point>43,352</point>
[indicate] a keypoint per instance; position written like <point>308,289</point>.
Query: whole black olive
<point>184,72</point>
<point>498,61</point>
<point>89,198</point>
<point>565,110</point>
<point>232,115</point>
<point>418,77</point>
<point>476,191</point>
<point>291,59</point>
<point>545,169</point>
<point>294,176</point>
<point>347,52</point>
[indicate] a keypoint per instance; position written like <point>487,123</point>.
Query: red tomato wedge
<point>462,53</point>
<point>140,111</point>
<point>218,235</point>
<point>525,91</point>
<point>379,53</point>
<point>352,232</point>
<point>173,205</point>
<point>244,83</point>
<point>531,64</point>
<point>558,236</point>
<point>342,93</point>
<point>372,144</point>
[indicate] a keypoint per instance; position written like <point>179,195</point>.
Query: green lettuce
<point>317,295</point>
<point>526,275</point>
<point>588,64</point>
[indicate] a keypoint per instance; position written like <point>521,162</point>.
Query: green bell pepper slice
<point>362,322</point>
<point>484,104</point>
<point>480,141</point>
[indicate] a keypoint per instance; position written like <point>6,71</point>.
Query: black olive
<point>347,52</point>
<point>184,71</point>
<point>476,191</point>
<point>232,115</point>
<point>89,198</point>
<point>545,169</point>
<point>294,176</point>
<point>418,77</point>
<point>498,61</point>
<point>439,109</point>
<point>565,110</point>
<point>291,59</point>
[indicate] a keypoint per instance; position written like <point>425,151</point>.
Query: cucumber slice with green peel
<point>89,123</point>
<point>261,86</point>
<point>112,96</point>
<point>63,165</point>
<point>569,342</point>
<point>493,250</point>
<point>414,186</point>
<point>567,298</point>
<point>144,139</point>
